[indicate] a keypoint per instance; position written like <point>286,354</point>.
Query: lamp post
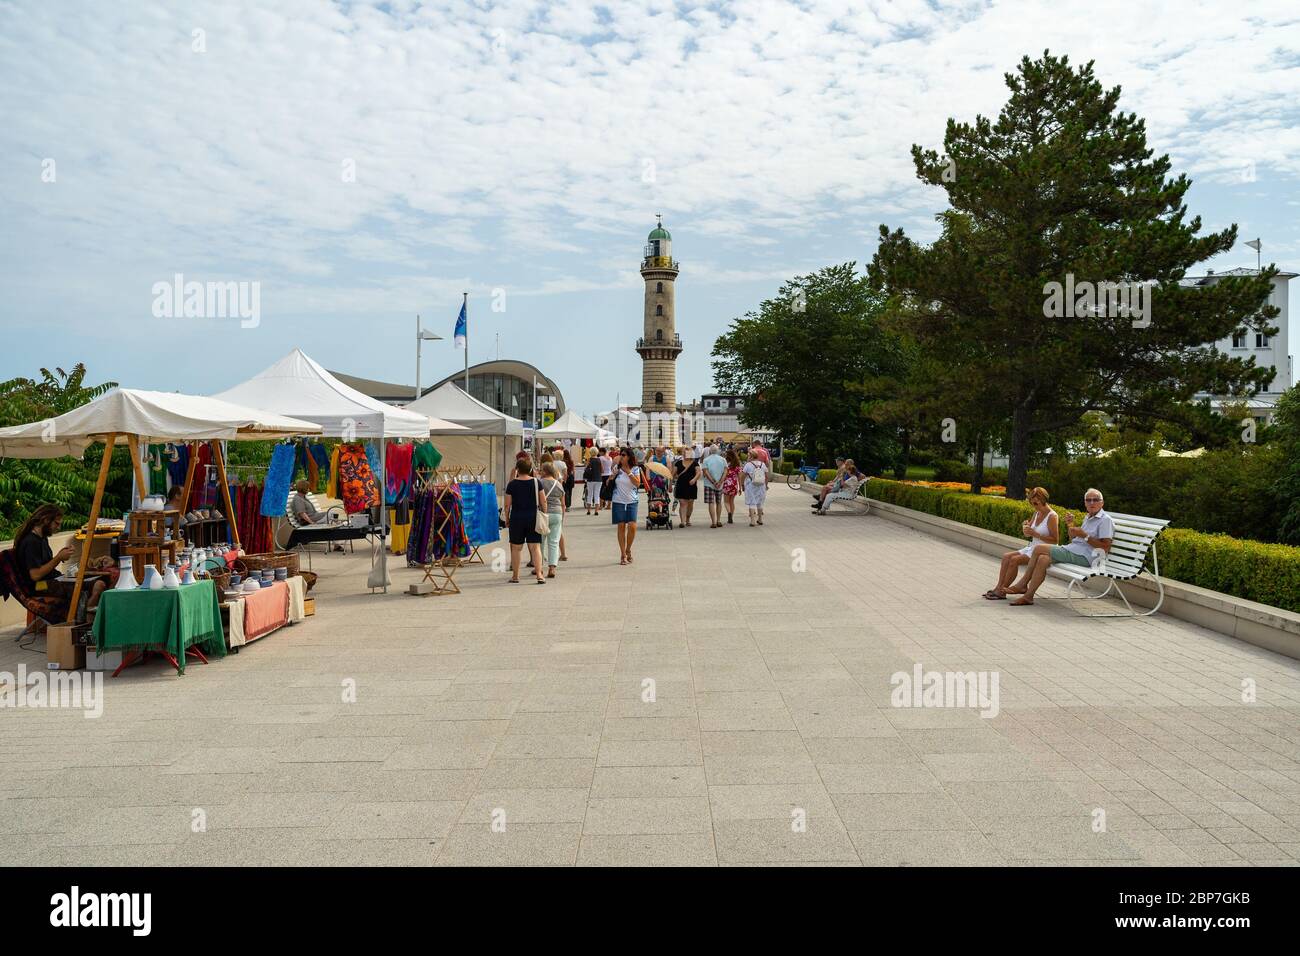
<point>421,335</point>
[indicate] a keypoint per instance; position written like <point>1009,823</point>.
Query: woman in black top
<point>524,496</point>
<point>687,490</point>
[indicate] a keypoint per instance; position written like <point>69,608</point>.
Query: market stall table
<point>172,621</point>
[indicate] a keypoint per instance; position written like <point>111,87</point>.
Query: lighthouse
<point>659,344</point>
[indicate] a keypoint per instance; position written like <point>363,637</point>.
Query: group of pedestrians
<point>539,494</point>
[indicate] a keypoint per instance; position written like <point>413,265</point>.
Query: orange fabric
<point>265,610</point>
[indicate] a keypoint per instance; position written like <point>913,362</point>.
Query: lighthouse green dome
<point>659,232</point>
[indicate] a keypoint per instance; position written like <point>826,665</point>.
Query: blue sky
<point>526,147</point>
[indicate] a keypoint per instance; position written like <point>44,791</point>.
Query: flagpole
<point>465,306</point>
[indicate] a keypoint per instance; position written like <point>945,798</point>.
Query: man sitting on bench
<point>1088,542</point>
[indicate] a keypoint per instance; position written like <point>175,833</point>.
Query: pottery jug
<point>152,579</point>
<point>126,576</point>
<point>170,580</point>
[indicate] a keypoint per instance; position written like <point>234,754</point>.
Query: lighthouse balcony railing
<point>675,342</point>
<point>660,262</point>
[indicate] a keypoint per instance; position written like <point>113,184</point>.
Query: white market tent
<point>300,386</point>
<point>140,417</point>
<point>570,425</point>
<point>297,385</point>
<point>490,438</point>
<point>156,416</point>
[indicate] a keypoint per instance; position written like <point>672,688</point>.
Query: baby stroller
<point>659,512</point>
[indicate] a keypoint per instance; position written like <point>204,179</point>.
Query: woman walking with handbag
<point>526,517</point>
<point>553,489</point>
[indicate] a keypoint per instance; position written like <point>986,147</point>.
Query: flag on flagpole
<point>1253,243</point>
<point>462,326</point>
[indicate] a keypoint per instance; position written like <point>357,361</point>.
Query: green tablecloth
<point>171,619</point>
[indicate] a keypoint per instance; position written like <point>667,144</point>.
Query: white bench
<point>1134,537</point>
<point>847,495</point>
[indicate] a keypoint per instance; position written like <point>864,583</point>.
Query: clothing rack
<point>441,573</point>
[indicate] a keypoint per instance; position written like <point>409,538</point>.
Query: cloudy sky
<point>367,162</point>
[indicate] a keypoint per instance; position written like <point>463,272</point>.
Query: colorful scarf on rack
<point>426,456</point>
<point>356,480</point>
<point>437,526</point>
<point>278,478</point>
<point>397,471</point>
<point>332,489</point>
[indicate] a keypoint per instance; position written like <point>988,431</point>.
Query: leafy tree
<point>1286,439</point>
<point>1062,188</point>
<point>798,358</point>
<point>69,483</point>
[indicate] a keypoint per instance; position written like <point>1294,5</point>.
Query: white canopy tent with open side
<point>490,439</point>
<point>141,417</point>
<point>300,386</point>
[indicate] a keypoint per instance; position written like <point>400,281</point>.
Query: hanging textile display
<point>479,502</point>
<point>178,463</point>
<point>356,480</point>
<point>332,489</point>
<point>372,456</point>
<point>255,529</point>
<point>203,492</point>
<point>401,527</point>
<point>278,478</point>
<point>397,471</point>
<point>437,526</point>
<point>426,457</point>
<point>156,468</point>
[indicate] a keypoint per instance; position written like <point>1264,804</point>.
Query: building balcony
<point>660,262</point>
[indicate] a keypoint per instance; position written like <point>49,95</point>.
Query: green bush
<point>1222,492</point>
<point>825,475</point>
<point>951,470</point>
<point>793,456</point>
<point>1253,570</point>
<point>784,467</point>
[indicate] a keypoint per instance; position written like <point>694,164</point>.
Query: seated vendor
<point>305,512</point>
<point>303,509</point>
<point>34,557</point>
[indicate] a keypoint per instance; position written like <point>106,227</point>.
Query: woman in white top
<point>629,479</point>
<point>755,477</point>
<point>1042,528</point>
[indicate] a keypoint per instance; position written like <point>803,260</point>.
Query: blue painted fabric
<point>275,490</point>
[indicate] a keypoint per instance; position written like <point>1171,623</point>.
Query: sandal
<point>550,573</point>
<point>623,560</point>
<point>514,580</point>
<point>993,595</point>
<point>1021,602</point>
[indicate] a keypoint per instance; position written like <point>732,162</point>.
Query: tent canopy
<point>299,386</point>
<point>571,425</point>
<point>451,403</point>
<point>157,416</point>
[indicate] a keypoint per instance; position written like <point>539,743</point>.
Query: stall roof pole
<point>90,525</point>
<point>141,483</point>
<point>189,475</point>
<point>225,493</point>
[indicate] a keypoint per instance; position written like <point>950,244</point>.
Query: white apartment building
<point>1269,351</point>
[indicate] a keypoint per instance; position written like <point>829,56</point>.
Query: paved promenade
<point>512,724</point>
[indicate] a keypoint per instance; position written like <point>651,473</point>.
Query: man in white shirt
<point>713,468</point>
<point>1089,544</point>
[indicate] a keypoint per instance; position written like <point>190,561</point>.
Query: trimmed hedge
<point>1253,570</point>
